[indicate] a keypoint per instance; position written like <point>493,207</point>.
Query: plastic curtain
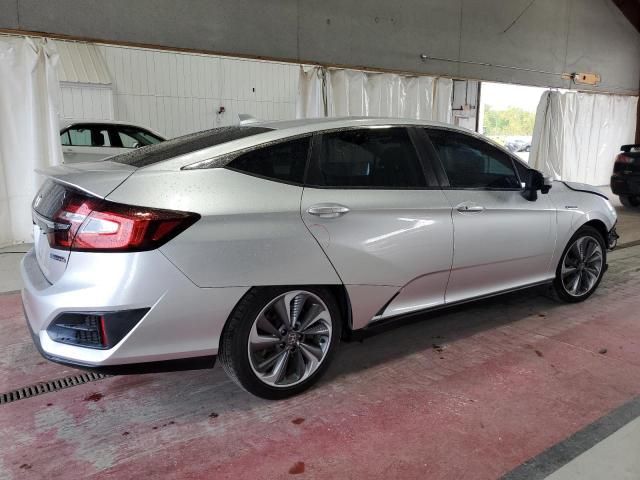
<point>311,100</point>
<point>29,129</point>
<point>358,93</point>
<point>578,135</point>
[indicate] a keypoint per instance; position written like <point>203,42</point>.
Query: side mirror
<point>534,182</point>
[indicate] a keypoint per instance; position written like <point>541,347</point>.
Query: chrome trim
<point>47,225</point>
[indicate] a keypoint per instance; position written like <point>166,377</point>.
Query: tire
<point>581,267</point>
<point>629,201</point>
<point>266,357</point>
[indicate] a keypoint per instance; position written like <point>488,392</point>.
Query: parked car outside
<point>523,152</point>
<point>92,141</point>
<point>264,245</point>
<point>625,181</point>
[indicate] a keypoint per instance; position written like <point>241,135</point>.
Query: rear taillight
<point>622,158</point>
<point>86,223</point>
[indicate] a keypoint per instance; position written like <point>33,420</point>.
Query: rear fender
<point>250,234</point>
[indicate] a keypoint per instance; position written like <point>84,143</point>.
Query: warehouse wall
<point>86,102</point>
<point>551,36</point>
<point>177,93</point>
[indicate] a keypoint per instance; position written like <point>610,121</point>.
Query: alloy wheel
<point>290,338</point>
<point>581,266</point>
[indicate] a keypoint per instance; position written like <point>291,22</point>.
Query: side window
<point>367,157</point>
<point>89,137</point>
<point>472,163</point>
<point>284,161</point>
<point>134,138</point>
<point>64,138</point>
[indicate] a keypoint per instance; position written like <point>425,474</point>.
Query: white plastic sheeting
<point>311,101</point>
<point>341,93</point>
<point>578,135</point>
<point>29,131</point>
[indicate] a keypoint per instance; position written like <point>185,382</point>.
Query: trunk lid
<point>98,179</point>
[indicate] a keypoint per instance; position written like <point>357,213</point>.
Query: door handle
<point>328,210</point>
<point>470,208</point>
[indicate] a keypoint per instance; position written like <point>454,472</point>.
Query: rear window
<point>142,157</point>
<point>285,161</point>
<point>50,198</point>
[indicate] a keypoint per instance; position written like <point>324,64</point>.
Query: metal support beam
<point>631,10</point>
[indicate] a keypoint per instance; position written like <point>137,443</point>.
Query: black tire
<point>561,292</point>
<point>629,201</point>
<point>234,348</point>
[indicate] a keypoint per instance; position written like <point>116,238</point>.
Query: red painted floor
<point>513,376</point>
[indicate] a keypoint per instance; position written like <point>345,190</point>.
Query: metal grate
<point>51,386</point>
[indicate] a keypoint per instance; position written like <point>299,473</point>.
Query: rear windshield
<point>142,157</point>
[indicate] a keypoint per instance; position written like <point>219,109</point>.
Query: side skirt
<point>378,321</point>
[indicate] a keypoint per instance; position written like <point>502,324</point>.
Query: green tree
<point>512,121</point>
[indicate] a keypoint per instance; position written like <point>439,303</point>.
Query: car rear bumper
<point>195,363</point>
<point>625,184</point>
<point>181,329</point>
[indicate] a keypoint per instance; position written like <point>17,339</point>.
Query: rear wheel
<point>581,266</point>
<point>630,201</point>
<point>280,340</point>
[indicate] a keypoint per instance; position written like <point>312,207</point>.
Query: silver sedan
<point>265,244</point>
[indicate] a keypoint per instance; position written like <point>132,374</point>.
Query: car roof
<point>318,124</point>
<point>196,148</point>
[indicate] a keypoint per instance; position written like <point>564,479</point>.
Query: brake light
<point>86,223</point>
<point>622,158</point>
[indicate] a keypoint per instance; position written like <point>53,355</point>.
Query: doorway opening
<point>507,115</point>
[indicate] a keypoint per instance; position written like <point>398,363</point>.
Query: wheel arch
<point>599,225</point>
<point>337,290</point>
<point>344,302</point>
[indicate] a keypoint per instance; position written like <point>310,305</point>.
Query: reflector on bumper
<point>102,330</point>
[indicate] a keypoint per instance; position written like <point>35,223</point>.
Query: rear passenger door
<point>375,209</point>
<point>502,240</point>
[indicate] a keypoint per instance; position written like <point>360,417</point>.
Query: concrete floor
<point>469,393</point>
<point>10,267</point>
<point>616,457</point>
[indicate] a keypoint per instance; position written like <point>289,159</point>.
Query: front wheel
<point>280,340</point>
<point>581,266</point>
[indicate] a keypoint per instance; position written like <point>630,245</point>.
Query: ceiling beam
<point>631,10</point>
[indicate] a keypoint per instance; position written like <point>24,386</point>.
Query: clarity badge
<point>57,258</point>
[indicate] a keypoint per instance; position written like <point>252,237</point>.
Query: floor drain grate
<point>51,386</point>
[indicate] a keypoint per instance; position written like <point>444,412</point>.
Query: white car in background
<point>90,141</point>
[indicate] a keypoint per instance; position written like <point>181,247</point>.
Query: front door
<point>501,240</point>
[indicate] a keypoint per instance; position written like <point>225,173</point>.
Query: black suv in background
<point>625,181</point>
